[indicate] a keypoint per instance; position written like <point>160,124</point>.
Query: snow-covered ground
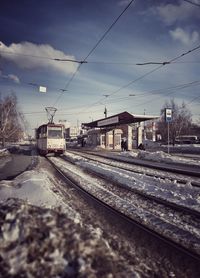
<point>41,234</point>
<point>40,183</point>
<point>185,195</point>
<point>38,187</point>
<point>160,156</point>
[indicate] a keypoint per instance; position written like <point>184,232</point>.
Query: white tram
<point>50,139</point>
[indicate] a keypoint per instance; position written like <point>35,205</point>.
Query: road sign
<point>168,115</point>
<point>42,89</point>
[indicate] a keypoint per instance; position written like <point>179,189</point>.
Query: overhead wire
<point>149,72</point>
<point>94,62</point>
<point>192,3</point>
<point>138,64</point>
<point>168,90</point>
<point>95,46</point>
<point>99,41</point>
<point>43,57</point>
<point>169,93</point>
<point>188,103</point>
<point>31,83</point>
<point>108,30</point>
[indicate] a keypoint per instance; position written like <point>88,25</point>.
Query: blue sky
<point>33,33</point>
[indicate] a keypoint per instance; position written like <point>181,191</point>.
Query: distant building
<point>72,132</point>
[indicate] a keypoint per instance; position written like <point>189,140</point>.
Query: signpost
<point>168,119</point>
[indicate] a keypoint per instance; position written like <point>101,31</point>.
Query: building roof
<point>119,119</point>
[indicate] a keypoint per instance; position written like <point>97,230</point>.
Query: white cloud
<point>28,53</point>
<point>185,37</point>
<point>12,77</point>
<point>170,13</point>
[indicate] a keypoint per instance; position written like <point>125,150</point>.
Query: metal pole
<point>168,137</point>
<point>144,127</point>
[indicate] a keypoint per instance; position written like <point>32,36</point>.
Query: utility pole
<point>144,126</point>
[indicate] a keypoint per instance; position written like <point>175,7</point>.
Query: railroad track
<point>158,198</point>
<point>177,168</point>
<point>160,172</point>
<point>187,156</point>
<point>145,220</point>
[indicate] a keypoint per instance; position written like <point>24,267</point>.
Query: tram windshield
<point>55,132</point>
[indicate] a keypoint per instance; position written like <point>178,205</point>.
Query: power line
<point>193,3</point>
<point>151,71</point>
<point>152,92</point>
<point>108,30</point>
<point>170,61</point>
<point>184,54</point>
<point>157,63</point>
<point>188,103</point>
<point>128,84</point>
<point>67,85</point>
<point>171,92</point>
<point>168,90</point>
<point>94,47</point>
<point>139,64</point>
<point>43,57</point>
<point>92,62</point>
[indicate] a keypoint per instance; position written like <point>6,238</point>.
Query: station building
<point>108,132</point>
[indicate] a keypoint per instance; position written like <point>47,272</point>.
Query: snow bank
<point>4,152</point>
<point>37,188</point>
<point>159,156</point>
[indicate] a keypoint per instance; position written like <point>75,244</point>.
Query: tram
<point>50,139</point>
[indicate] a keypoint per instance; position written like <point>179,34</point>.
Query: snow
<point>184,195</point>
<point>160,156</point>
<point>4,152</point>
<point>37,188</point>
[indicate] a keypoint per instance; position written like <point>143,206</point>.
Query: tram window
<point>55,132</point>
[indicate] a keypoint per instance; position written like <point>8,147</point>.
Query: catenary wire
<point>94,47</point>
<point>192,3</point>
<point>94,62</point>
<point>168,90</point>
<point>43,57</point>
<point>148,73</point>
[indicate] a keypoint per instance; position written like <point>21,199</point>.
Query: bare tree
<point>11,120</point>
<point>181,121</point>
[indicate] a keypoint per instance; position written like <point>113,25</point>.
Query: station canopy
<point>118,119</point>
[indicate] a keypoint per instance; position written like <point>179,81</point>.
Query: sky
<point>109,43</point>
